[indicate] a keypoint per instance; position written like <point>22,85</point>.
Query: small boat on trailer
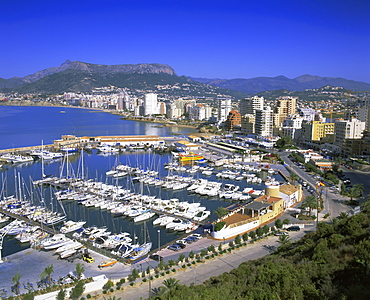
<point>108,263</point>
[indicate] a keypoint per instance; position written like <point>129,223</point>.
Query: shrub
<point>193,262</point>
<point>168,272</point>
<point>162,274</point>
<point>173,270</point>
<point>88,296</point>
<point>118,287</point>
<point>131,283</point>
<point>108,285</point>
<point>144,279</point>
<point>122,281</point>
<point>218,226</point>
<point>156,275</point>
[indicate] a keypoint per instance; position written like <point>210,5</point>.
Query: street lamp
<point>159,240</point>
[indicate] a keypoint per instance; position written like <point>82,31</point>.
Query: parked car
<point>87,257</point>
<point>174,247</point>
<point>191,239</point>
<point>197,235</point>
<point>182,246</point>
<point>281,233</point>
<point>156,257</point>
<point>293,228</point>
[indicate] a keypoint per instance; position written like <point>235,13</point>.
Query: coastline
<point>113,112</point>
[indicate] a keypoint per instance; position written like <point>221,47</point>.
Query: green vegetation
<point>219,226</point>
<point>285,142</point>
<point>332,263</point>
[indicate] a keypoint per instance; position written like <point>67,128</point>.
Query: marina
<point>199,196</point>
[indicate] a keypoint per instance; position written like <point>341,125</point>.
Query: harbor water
<point>16,179</point>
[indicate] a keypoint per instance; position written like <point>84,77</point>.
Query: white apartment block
<point>250,105</point>
<point>224,107</point>
<point>291,126</point>
<point>150,104</point>
<point>263,126</point>
<point>348,129</point>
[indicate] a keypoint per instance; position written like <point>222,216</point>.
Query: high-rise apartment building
<point>348,129</point>
<point>224,107</point>
<point>286,106</point>
<point>263,126</point>
<point>250,105</point>
<point>233,120</point>
<point>247,123</point>
<point>150,104</point>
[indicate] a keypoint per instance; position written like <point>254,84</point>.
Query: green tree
<point>252,234</point>
<point>259,231</point>
<point>61,294</point>
<point>221,211</point>
<point>365,206</point>
<point>265,229</point>
<point>181,258</point>
<point>171,263</point>
<point>191,254</point>
<point>77,291</point>
<point>238,240</point>
<point>278,224</point>
<point>245,237</point>
<point>359,187</point>
<point>293,177</point>
<point>170,284</point>
<point>284,240</point>
<point>161,265</point>
<point>16,282</point>
<point>203,253</point>
<point>309,202</point>
<point>80,268</point>
<point>353,193</point>
<point>47,273</point>
<point>134,274</point>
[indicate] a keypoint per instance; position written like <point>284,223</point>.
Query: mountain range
<point>76,76</point>
<point>260,84</point>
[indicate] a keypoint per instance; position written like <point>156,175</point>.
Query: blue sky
<point>198,38</point>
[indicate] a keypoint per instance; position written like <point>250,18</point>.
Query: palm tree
<point>343,215</point>
<point>310,202</point>
<point>284,240</point>
<point>353,192</point>
<point>293,177</point>
<point>365,206</point>
<point>170,284</point>
<point>359,187</point>
<point>15,280</point>
<point>80,268</point>
<point>47,273</point>
<point>221,211</point>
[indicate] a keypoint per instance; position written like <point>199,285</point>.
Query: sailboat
<point>141,250</point>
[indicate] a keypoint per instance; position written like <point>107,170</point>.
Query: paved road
<point>333,201</point>
<point>200,272</point>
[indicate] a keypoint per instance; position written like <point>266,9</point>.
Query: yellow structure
<point>316,130</point>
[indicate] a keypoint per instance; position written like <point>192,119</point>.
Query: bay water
<point>23,128</point>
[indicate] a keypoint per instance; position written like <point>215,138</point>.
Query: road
<point>202,271</point>
<point>333,201</point>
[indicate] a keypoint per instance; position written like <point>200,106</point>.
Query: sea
<point>22,126</point>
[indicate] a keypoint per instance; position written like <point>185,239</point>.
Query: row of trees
<point>331,263</point>
<point>46,281</point>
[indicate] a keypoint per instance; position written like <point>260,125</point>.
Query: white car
<point>281,233</point>
<point>197,235</point>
